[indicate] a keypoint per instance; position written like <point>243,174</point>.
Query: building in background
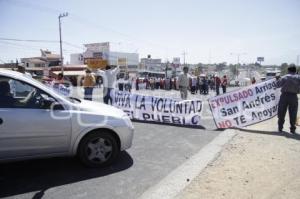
<point>47,59</point>
<point>98,55</point>
<point>151,64</point>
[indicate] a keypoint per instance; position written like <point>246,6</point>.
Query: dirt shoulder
<point>257,164</point>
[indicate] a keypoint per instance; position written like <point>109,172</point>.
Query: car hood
<point>100,108</point>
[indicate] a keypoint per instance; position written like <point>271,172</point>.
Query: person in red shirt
<point>253,80</point>
<point>218,83</point>
<point>224,83</point>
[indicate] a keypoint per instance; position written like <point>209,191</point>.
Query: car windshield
<point>47,87</point>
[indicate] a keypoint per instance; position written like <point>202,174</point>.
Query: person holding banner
<point>109,81</point>
<point>183,82</point>
<point>89,82</point>
<point>290,85</point>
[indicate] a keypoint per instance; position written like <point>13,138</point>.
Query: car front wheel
<point>98,149</point>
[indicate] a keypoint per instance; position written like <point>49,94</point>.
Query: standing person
<point>121,83</point>
<point>290,85</point>
<point>201,85</point>
<point>218,83</point>
<point>137,84</point>
<point>253,80</point>
<point>89,82</point>
<point>224,83</point>
<point>194,84</point>
<point>205,86</point>
<point>183,82</point>
<point>197,84</point>
<point>157,83</point>
<point>109,81</point>
<point>212,84</point>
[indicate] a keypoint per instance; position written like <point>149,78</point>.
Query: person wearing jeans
<point>107,99</point>
<point>88,85</point>
<point>109,81</point>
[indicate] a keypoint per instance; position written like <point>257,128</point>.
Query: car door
<point>26,127</point>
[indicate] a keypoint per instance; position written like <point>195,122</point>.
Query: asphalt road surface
<point>157,150</point>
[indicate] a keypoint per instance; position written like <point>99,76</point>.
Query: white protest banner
<point>158,109</point>
<point>59,88</point>
<point>246,106</point>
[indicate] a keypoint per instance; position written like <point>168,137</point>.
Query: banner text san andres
<point>246,106</point>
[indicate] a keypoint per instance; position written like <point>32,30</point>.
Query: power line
<point>40,41</point>
<point>25,48</point>
<point>87,22</point>
<point>20,45</point>
<point>33,48</point>
<point>29,40</point>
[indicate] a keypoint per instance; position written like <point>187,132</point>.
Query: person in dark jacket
<point>6,99</point>
<point>218,83</point>
<point>289,84</point>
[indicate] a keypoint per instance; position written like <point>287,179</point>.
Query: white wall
<point>132,58</point>
<point>75,59</point>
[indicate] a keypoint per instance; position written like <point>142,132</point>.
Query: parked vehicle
<point>37,122</point>
<point>272,74</point>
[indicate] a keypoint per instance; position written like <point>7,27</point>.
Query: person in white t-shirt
<point>109,82</point>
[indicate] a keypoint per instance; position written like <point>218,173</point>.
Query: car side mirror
<point>57,106</point>
<point>47,103</point>
<point>51,104</point>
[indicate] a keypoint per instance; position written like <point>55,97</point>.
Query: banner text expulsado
<point>246,106</point>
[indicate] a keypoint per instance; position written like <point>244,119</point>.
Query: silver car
<point>37,122</point>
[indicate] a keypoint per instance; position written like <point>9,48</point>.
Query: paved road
<point>156,151</point>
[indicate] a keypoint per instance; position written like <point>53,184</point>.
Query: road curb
<point>178,179</point>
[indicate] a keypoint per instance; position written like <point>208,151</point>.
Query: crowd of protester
<point>110,79</point>
<point>197,84</point>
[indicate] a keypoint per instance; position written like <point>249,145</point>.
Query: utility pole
<point>60,41</point>
<point>184,54</point>
<point>238,61</point>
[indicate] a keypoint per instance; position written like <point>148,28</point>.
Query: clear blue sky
<point>208,30</point>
